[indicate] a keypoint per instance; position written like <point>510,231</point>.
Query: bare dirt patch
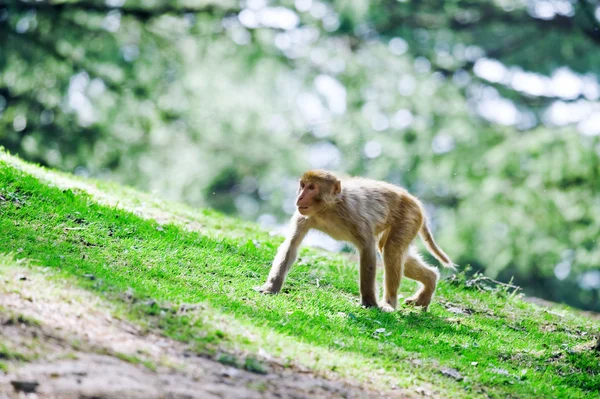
<point>67,343</point>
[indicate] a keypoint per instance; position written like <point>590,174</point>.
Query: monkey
<point>372,215</point>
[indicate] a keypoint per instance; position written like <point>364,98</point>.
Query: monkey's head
<point>317,190</point>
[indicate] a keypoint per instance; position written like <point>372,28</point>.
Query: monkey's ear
<point>337,187</point>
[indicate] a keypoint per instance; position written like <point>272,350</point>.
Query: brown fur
<point>370,214</point>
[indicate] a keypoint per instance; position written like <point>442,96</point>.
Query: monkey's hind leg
<point>394,255</point>
<point>416,269</point>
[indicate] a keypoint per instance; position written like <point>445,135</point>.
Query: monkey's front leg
<point>368,270</point>
<point>285,258</point>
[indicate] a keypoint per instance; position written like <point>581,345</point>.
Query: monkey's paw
<point>368,304</point>
<point>265,289</point>
<point>386,307</point>
<point>418,301</point>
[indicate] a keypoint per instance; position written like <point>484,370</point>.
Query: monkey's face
<point>313,196</point>
<point>309,198</point>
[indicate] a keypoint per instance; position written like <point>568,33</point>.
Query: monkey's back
<point>376,203</point>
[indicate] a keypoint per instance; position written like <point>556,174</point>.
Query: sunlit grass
<point>196,286</point>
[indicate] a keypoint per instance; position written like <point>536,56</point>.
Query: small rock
<point>452,373</point>
<point>423,391</point>
<point>21,277</point>
<point>25,386</point>
<point>90,276</point>
<point>128,294</point>
<point>500,371</point>
<point>187,307</point>
<point>230,372</point>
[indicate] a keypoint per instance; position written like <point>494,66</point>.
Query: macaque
<point>371,215</point>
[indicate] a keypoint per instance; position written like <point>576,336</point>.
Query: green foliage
<point>498,344</point>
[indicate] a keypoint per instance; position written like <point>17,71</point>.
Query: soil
<point>70,345</point>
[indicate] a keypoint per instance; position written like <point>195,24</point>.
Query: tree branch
<point>490,14</point>
<point>141,13</point>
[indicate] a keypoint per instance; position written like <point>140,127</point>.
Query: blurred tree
<point>487,110</point>
<point>71,71</point>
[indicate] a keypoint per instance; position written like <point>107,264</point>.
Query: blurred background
<point>489,111</point>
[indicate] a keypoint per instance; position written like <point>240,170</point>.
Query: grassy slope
<point>502,346</point>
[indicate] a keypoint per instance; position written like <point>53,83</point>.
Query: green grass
<point>134,360</point>
<point>7,353</point>
<point>196,287</point>
<point>21,319</point>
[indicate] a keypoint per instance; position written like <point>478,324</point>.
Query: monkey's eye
<point>311,187</point>
<point>301,185</point>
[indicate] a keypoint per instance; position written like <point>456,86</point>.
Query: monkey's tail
<point>434,249</point>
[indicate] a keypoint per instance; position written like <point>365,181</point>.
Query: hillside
<point>102,283</point>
